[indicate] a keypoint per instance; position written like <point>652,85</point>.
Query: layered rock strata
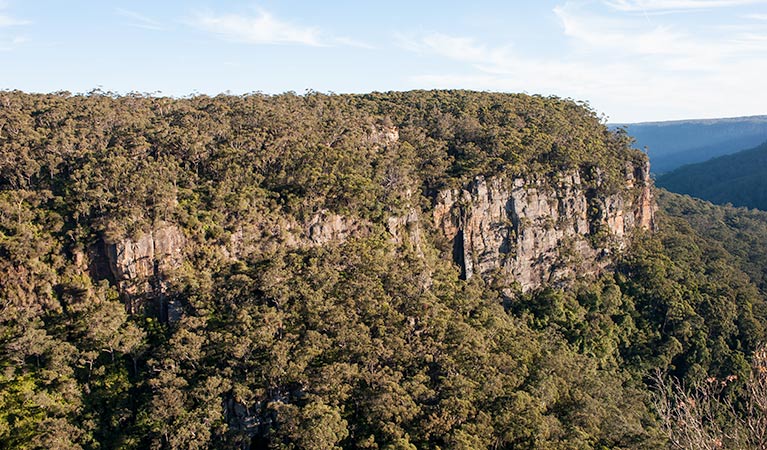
<point>530,231</point>
<point>533,231</point>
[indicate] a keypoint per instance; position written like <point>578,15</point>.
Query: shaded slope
<point>740,179</point>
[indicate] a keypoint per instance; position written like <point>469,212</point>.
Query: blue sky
<point>632,60</point>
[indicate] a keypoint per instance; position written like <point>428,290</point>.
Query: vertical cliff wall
<point>530,231</point>
<point>534,231</point>
<point>141,267</point>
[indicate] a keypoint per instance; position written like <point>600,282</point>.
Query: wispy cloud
<point>756,16</point>
<point>662,46</point>
<point>264,28</point>
<point>7,20</point>
<point>11,43</point>
<point>597,31</point>
<point>139,20</point>
<point>674,5</point>
<point>618,61</point>
<point>500,68</point>
<point>454,47</point>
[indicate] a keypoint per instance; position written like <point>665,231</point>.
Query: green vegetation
<point>739,179</point>
<point>356,344</point>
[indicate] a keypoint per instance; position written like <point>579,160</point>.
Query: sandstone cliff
<point>533,231</point>
<point>529,231</point>
<point>142,267</point>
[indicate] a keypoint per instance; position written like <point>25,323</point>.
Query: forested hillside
<point>286,272</point>
<point>741,231</point>
<point>676,143</point>
<point>739,179</point>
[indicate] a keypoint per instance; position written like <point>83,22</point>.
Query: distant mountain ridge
<point>739,179</point>
<point>672,144</point>
<point>710,121</point>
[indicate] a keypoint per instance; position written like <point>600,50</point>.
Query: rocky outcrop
<point>406,230</point>
<point>644,208</point>
<point>383,134</point>
<point>326,227</point>
<point>273,232</point>
<point>534,231</point>
<point>142,266</point>
<point>528,231</point>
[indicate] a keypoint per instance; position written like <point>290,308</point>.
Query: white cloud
<point>139,20</point>
<point>675,5</point>
<point>501,68</point>
<point>8,43</point>
<point>756,16</point>
<point>453,47</point>
<point>461,48</point>
<point>264,28</point>
<point>7,20</point>
<point>12,43</point>
<point>623,64</point>
<point>601,32</point>
<point>664,46</point>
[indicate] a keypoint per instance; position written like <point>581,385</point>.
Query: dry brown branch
<point>701,417</point>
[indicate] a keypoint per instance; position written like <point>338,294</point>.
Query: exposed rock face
<point>530,231</point>
<point>645,208</point>
<point>383,134</point>
<point>323,227</point>
<point>406,229</point>
<point>533,231</point>
<point>326,227</point>
<point>142,266</point>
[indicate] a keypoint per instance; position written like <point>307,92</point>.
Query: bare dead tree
<point>689,417</point>
<point>701,417</point>
<point>754,420</point>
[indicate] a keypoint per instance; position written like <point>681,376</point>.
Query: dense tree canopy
<point>360,343</point>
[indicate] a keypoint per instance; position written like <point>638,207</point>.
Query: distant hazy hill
<point>740,179</point>
<point>676,143</point>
